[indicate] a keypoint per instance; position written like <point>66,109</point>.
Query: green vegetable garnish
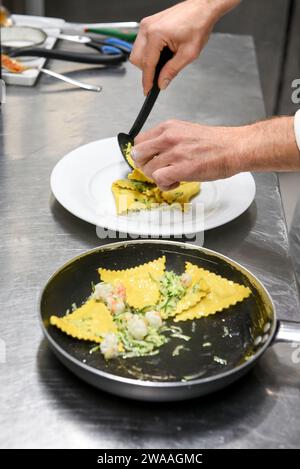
<point>171,290</point>
<point>178,349</point>
<point>138,347</point>
<point>94,349</point>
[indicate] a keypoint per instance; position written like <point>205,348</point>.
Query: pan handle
<point>287,331</point>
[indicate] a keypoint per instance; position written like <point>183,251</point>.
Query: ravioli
<point>126,314</point>
<point>141,282</point>
<point>222,294</point>
<point>89,322</point>
<point>138,175</point>
<point>138,192</point>
<point>129,200</point>
<point>195,292</point>
<point>182,194</point>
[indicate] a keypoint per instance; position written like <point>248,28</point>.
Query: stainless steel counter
<point>42,404</point>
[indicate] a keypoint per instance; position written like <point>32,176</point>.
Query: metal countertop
<point>42,404</point>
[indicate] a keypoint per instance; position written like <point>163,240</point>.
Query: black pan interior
<point>232,334</point>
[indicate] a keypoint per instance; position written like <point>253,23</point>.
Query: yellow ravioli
<point>182,194</point>
<point>138,175</point>
<point>125,184</point>
<point>222,294</point>
<point>141,283</point>
<point>128,156</point>
<point>193,294</point>
<point>133,194</point>
<point>137,186</point>
<point>128,199</point>
<point>89,322</point>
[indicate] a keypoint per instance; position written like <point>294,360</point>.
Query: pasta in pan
<point>130,312</point>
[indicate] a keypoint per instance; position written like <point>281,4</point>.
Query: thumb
<point>166,178</point>
<point>173,67</point>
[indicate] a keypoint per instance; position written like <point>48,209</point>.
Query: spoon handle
<point>165,56</point>
<point>71,81</point>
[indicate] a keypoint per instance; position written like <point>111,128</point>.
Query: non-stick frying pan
<point>222,348</point>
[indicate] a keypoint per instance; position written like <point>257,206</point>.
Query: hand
<point>176,151</point>
<point>184,28</point>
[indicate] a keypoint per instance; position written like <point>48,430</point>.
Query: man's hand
<point>176,151</point>
<point>184,28</point>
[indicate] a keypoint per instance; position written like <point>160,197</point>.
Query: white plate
<point>81,182</point>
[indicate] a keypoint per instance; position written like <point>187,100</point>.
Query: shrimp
<point>109,346</point>
<point>154,319</point>
<point>137,327</point>
<point>186,279</point>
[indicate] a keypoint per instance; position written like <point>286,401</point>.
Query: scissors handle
<point>122,46</point>
<point>70,56</point>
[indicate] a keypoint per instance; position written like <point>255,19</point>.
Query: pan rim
<point>156,384</point>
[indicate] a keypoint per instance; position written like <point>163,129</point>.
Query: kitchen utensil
<point>222,348</point>
<point>109,45</point>
<point>125,139</point>
<point>22,41</point>
<point>71,81</point>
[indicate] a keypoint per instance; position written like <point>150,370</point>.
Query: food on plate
<point>131,312</point>
<point>138,192</point>
<point>128,155</point>
<point>12,65</point>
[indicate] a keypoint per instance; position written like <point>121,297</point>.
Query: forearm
<point>178,151</point>
<point>267,146</point>
<point>218,8</point>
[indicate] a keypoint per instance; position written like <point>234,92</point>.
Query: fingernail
<point>165,84</point>
<point>134,154</point>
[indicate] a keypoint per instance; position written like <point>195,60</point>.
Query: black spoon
<point>125,139</point>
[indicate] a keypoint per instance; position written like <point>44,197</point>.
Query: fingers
<point>181,59</point>
<point>151,57</point>
<point>173,67</point>
<point>145,151</point>
<point>145,56</point>
<point>146,53</point>
<point>153,142</point>
<point>149,134</point>
<point>166,178</point>
<point>157,162</point>
<point>136,56</point>
<point>169,188</point>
